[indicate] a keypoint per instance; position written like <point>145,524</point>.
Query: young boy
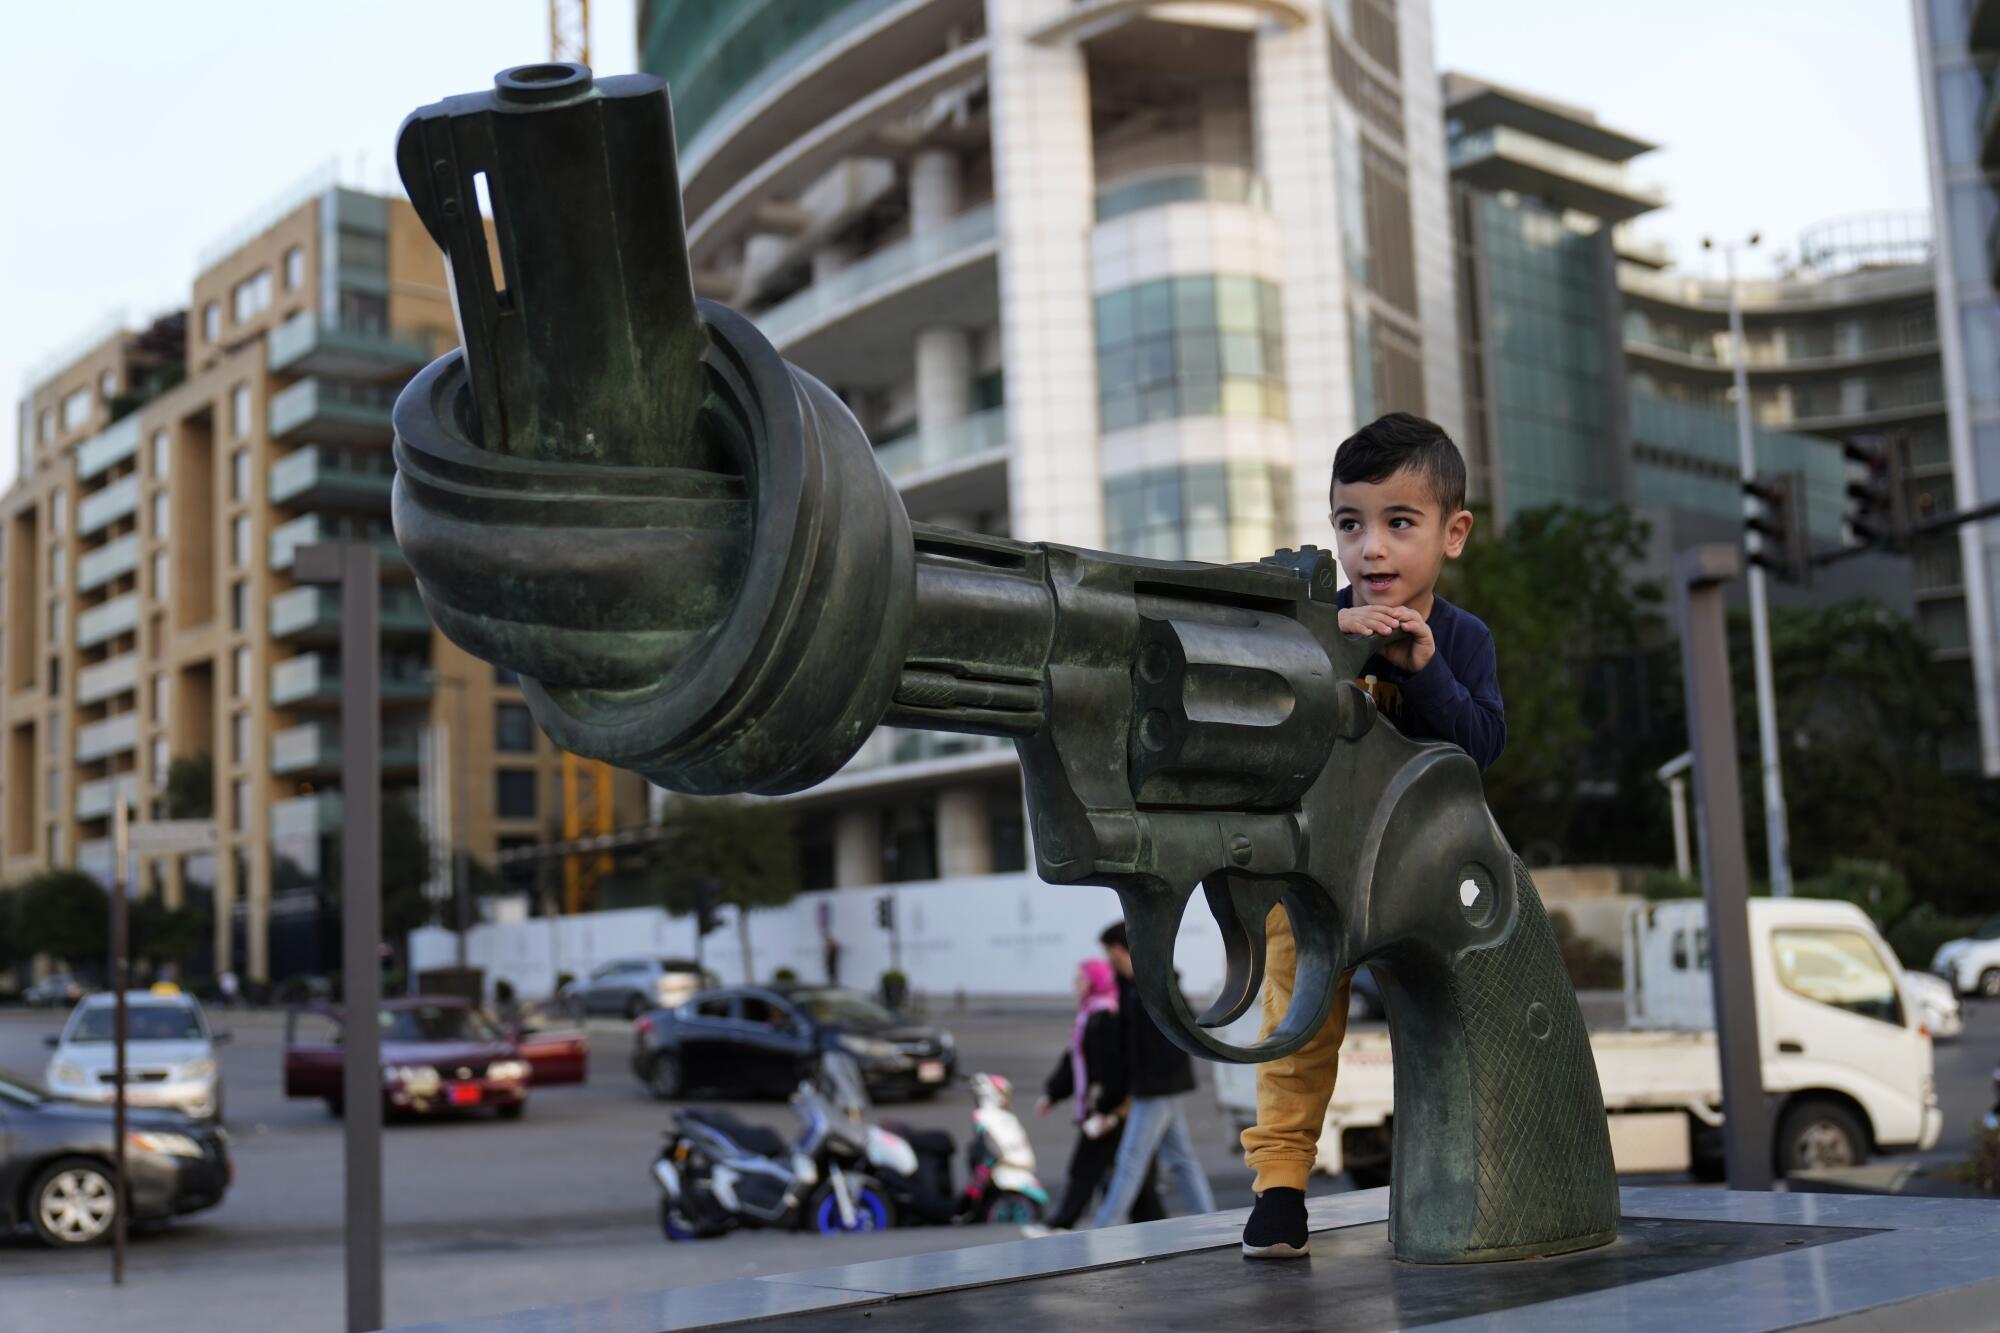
<point>1398,511</point>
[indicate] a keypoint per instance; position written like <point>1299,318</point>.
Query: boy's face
<point>1393,537</point>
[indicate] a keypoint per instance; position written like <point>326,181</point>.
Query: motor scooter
<point>718,1172</point>
<point>1000,1184</point>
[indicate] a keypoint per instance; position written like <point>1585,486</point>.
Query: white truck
<point>1846,1058</point>
<point>1972,966</point>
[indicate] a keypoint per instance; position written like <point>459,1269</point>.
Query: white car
<point>169,1054</point>
<point>1972,966</point>
<point>1937,1003</point>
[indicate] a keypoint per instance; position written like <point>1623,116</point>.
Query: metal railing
<point>1214,183</point>
<point>921,451</point>
<point>862,282</point>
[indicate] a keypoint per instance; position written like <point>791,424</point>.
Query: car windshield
<point>143,1022</point>
<point>22,1090</point>
<point>436,1022</point>
<point>841,1006</point>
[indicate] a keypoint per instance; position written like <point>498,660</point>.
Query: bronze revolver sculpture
<point>685,547</point>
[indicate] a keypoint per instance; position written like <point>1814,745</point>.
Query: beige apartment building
<point>166,478</point>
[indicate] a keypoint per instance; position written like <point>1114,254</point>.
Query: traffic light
<point>707,898</point>
<point>1785,546</point>
<point>1880,514</point>
<point>885,911</point>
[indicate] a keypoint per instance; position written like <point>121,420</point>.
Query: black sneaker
<point>1277,1226</point>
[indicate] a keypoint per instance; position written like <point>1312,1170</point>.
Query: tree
<point>745,847</point>
<point>406,863</point>
<point>162,934</point>
<point>191,787</point>
<point>1555,589</point>
<point>66,914</point>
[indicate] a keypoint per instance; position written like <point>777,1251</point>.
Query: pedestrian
<point>1158,1074</point>
<point>226,983</point>
<point>1092,1070</point>
<point>831,947</point>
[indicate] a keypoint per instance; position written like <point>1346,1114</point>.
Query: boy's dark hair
<point>1114,934</point>
<point>1390,444</point>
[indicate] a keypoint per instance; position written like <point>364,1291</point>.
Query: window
<point>513,728</point>
<point>1195,345</point>
<point>295,268</point>
<point>57,621</point>
<point>239,533</point>
<point>514,793</point>
<point>163,451</point>
<point>239,805</point>
<point>252,296</point>
<point>160,567</point>
<point>160,706</point>
<point>1202,511</point>
<point>715,1006</point>
<point>107,385</point>
<point>239,673</point>
<point>161,760</point>
<point>1838,968</point>
<point>162,508</point>
<point>239,605</point>
<point>59,509</point>
<point>239,475</point>
<point>58,567</point>
<point>76,408</point>
<point>239,412</point>
<point>55,796</point>
<point>48,426</point>
<point>239,739</point>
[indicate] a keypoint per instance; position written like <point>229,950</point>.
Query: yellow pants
<point>1292,1092</point>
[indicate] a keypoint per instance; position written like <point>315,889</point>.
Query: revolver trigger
<point>1240,907</point>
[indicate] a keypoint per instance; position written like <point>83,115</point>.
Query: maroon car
<point>439,1053</point>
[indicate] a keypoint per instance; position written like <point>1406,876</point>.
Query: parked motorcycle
<point>718,1172</point>
<point>915,1166</point>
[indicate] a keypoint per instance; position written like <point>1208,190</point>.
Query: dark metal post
<point>355,569</point>
<point>120,978</point>
<point>1700,575</point>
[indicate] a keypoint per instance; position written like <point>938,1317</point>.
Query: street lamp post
<point>461,894</point>
<point>1777,839</point>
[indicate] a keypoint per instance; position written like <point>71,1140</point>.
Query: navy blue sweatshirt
<point>1456,697</point>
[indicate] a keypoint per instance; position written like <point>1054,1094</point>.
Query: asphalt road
<point>487,1216</point>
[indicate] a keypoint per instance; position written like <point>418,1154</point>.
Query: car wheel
<point>513,1111</point>
<point>663,1076</point>
<point>634,1006</point>
<point>73,1203</point>
<point>1820,1135</point>
<point>1989,983</point>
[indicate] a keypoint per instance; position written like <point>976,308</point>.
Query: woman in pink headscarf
<point>1092,1071</point>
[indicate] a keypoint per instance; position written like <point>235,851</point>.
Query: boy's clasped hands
<point>1412,654</point>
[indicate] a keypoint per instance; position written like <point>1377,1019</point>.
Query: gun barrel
<point>979,637</point>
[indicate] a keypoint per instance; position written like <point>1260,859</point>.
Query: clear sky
<point>133,134</point>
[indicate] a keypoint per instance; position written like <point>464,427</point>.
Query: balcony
<point>94,684</point>
<point>1503,158</point>
<point>97,858</point>
<point>318,477</point>
<point>113,735</point>
<point>109,447</point>
<point>1182,185</point>
<point>101,508</point>
<point>95,799</point>
<point>107,620</point>
<point>314,748</point>
<point>333,411</point>
<point>311,529</point>
<point>951,449</point>
<point>955,247</point>
<point>96,568</point>
<point>302,345</point>
<point>312,680</point>
<point>312,614</point>
<point>306,816</point>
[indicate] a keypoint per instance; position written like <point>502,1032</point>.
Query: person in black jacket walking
<point>1159,1075</point>
<point>1093,1071</point>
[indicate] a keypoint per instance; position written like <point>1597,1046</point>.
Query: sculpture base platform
<point>1726,1262</point>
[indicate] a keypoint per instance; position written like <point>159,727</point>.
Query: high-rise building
<point>165,479</point>
<point>1110,274</point>
<point>1958,44</point>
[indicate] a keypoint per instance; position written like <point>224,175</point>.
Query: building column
<point>172,874</point>
<point>936,187</point>
<point>225,909</point>
<point>944,377</point>
<point>964,833</point>
<point>1045,203</point>
<point>857,848</point>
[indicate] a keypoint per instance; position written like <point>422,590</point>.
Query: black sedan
<point>751,1041</point>
<point>55,1164</point>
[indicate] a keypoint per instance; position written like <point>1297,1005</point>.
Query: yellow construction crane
<point>586,783</point>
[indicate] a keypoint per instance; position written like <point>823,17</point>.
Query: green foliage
<point>1916,937</point>
<point>162,934</point>
<point>746,847</point>
<point>1590,965</point>
<point>65,914</point>
<point>1658,885</point>
<point>191,787</point>
<point>784,976</point>
<point>1555,590</point>
<point>406,860</point>
<point>1876,887</point>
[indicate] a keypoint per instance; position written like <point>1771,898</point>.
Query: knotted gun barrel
<point>685,547</point>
